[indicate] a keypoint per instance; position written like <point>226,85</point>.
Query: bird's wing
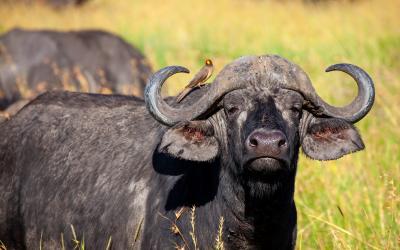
<point>200,77</point>
<point>183,94</point>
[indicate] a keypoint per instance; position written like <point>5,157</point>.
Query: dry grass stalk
<point>41,240</point>
<point>137,232</point>
<point>62,242</point>
<point>177,247</point>
<point>2,246</point>
<point>219,243</point>
<point>193,225</point>
<point>176,231</point>
<point>78,244</point>
<point>340,229</point>
<point>179,213</point>
<point>109,242</point>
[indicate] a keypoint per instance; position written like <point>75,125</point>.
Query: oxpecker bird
<point>198,80</point>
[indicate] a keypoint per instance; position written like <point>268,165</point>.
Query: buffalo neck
<point>267,220</point>
<point>258,221</point>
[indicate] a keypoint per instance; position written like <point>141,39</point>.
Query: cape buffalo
<point>160,175</point>
<point>34,61</point>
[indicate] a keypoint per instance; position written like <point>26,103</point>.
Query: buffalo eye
<point>296,109</point>
<point>232,110</point>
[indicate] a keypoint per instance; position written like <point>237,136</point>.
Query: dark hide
<point>32,62</point>
<point>104,165</point>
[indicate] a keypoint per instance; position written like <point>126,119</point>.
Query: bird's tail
<point>183,94</point>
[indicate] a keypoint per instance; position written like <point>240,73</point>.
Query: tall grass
<point>351,203</point>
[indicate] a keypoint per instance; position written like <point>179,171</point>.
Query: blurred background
<point>351,203</point>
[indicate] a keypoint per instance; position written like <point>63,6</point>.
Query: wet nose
<point>267,143</point>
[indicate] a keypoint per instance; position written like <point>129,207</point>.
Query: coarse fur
<point>103,164</point>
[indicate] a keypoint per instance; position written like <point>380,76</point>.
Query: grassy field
<point>351,203</point>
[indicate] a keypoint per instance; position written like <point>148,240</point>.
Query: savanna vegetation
<point>351,203</point>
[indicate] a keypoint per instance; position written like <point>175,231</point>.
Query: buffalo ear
<point>330,138</point>
<point>193,141</point>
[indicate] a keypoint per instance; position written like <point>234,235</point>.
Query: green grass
<point>351,203</point>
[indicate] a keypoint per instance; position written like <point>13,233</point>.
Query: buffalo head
<point>257,114</point>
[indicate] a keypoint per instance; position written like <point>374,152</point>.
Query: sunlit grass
<point>351,203</point>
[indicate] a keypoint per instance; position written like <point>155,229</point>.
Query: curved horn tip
<point>152,93</point>
<point>180,69</point>
<point>338,66</point>
<point>171,70</point>
<point>366,90</point>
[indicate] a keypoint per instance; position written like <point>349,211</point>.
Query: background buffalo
<point>34,61</point>
<point>54,3</point>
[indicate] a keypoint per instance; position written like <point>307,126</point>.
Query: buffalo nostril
<point>281,143</point>
<point>253,142</point>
